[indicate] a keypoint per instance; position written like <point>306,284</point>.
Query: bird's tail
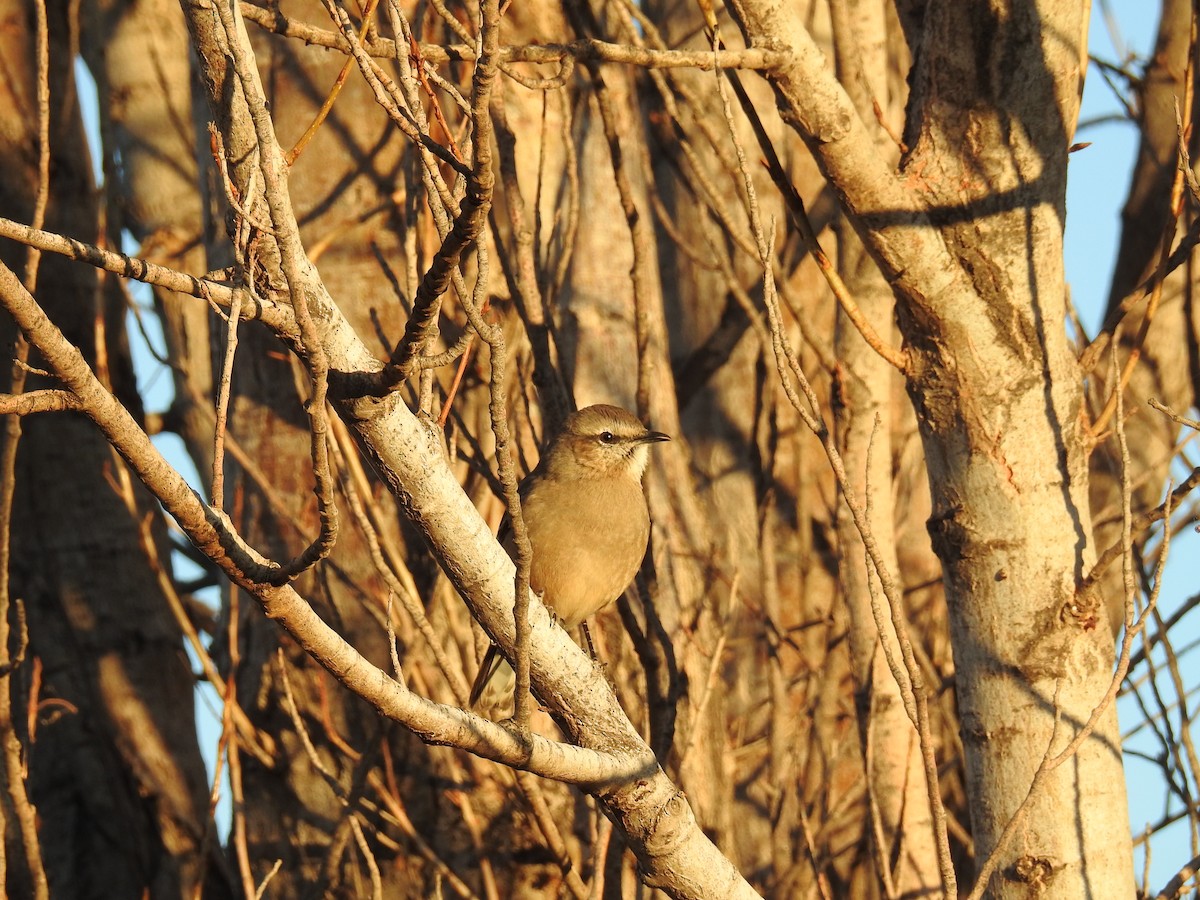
<point>492,660</point>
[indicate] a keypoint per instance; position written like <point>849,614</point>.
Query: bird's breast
<point>588,538</point>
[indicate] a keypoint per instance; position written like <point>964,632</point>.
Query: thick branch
<point>650,810</point>
<point>204,527</point>
<point>892,220</point>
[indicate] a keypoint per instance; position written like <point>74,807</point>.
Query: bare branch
<point>582,51</point>
<point>278,317</point>
<point>206,529</point>
<point>33,402</point>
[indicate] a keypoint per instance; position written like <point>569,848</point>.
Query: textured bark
<point>1002,432</point>
<point>997,396</point>
<point>721,737</point>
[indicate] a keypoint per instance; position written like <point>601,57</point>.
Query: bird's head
<point>602,441</point>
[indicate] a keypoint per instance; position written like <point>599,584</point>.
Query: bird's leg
<point>541,595</point>
<point>587,636</point>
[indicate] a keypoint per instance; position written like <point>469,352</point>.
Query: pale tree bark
<point>482,243</point>
<point>971,238</point>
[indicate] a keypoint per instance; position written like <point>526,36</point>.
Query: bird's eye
<point>607,437</point>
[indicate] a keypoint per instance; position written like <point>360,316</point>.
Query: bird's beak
<point>653,437</point>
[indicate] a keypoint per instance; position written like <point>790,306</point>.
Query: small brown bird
<point>587,521</point>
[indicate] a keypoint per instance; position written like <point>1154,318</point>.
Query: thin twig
<point>327,106</point>
<point>262,888</point>
<point>582,51</point>
<point>259,743</point>
<point>714,670</point>
<point>906,671</point>
<point>233,748</point>
<point>898,359</point>
<point>372,866</point>
<point>1174,417</point>
<point>403,109</point>
<point>1186,873</point>
<point>527,294</point>
<point>544,818</point>
<point>224,387</point>
<point>388,560</point>
<point>278,317</point>
<point>452,22</point>
<point>10,744</point>
<point>1087,587</point>
<point>294,267</point>
<point>604,830</point>
<point>392,802</point>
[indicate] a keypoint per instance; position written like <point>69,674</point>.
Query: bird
<point>587,521</point>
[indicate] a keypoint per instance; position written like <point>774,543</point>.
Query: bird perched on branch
<point>587,521</point>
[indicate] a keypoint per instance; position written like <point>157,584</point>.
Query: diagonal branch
<point>205,527</point>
